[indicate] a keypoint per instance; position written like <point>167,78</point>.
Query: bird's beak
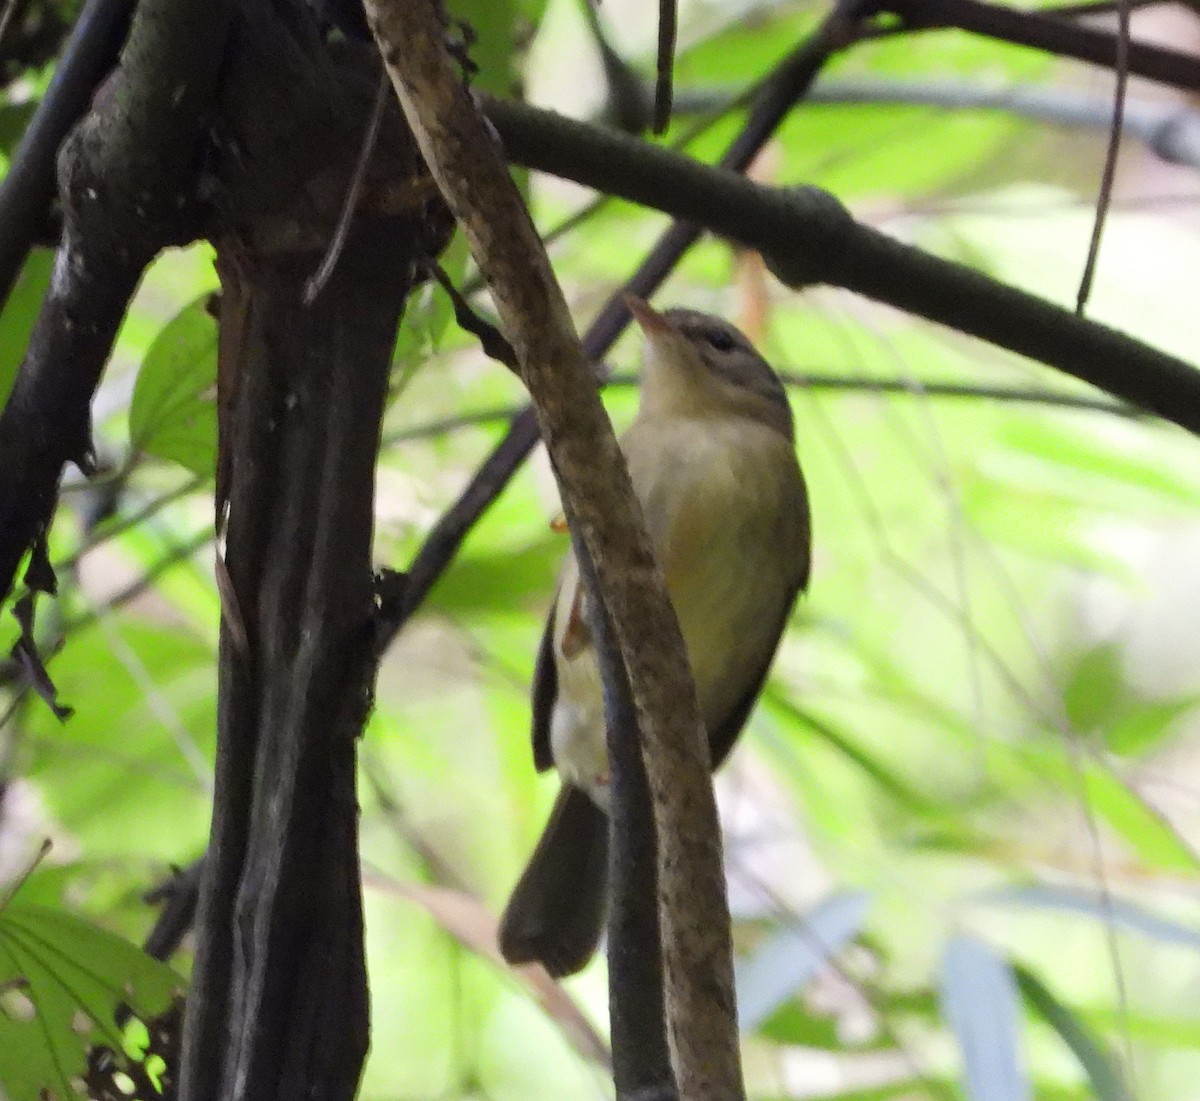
<point>667,349</point>
<point>652,323</point>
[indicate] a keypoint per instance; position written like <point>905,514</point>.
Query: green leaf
<point>62,981</point>
<point>888,780</point>
<point>156,685</point>
<point>427,313</point>
<point>1104,465</point>
<point>1097,1063</point>
<point>1094,690</point>
<point>14,118</point>
<point>174,413</point>
<point>1144,726</point>
<point>20,313</point>
<point>1097,697</point>
<point>494,23</point>
<point>1147,831</point>
<point>503,579</point>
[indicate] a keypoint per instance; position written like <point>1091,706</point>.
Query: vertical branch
<point>641,1049</point>
<point>663,92</point>
<point>278,1008</point>
<point>605,517</point>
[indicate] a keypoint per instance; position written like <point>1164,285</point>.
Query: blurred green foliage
<point>990,688</point>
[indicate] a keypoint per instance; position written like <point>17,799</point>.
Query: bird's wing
<point>545,692</point>
<point>722,737</point>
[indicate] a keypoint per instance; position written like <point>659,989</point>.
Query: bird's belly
<point>577,730</point>
<point>734,552</point>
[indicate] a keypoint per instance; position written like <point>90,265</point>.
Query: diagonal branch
<point>121,177</point>
<point>806,236</point>
<point>28,187</point>
<point>1056,35</point>
<point>607,523</point>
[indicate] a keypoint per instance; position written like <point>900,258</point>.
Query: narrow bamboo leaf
<point>895,785</point>
<point>1102,1071</point>
<point>794,953</point>
<point>1155,840</point>
<point>1144,726</point>
<point>981,1003</point>
<point>1121,913</point>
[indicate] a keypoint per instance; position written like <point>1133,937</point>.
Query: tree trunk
<point>278,1007</point>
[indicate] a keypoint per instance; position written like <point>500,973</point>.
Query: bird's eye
<point>719,339</point>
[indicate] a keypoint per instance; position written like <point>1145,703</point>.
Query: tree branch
<point>278,1008</point>
<point>27,189</point>
<point>806,236</point>
<point>1056,35</point>
<point>667,29</point>
<point>606,519</point>
<point>122,174</point>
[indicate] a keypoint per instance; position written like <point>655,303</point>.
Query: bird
<point>712,457</point>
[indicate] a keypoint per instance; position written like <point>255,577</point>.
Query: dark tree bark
<point>125,179</point>
<point>278,1007</point>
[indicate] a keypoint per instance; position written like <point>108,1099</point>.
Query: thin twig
<point>1098,7</point>
<point>178,554</point>
<point>493,342</point>
<point>667,30</point>
<point>329,261</point>
<point>1110,157</point>
<point>1062,37</point>
<point>107,531</point>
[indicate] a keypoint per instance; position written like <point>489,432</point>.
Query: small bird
<point>712,457</point>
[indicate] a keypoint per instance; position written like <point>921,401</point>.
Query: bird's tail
<point>556,913</point>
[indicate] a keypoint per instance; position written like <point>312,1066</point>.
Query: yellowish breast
<point>725,507</point>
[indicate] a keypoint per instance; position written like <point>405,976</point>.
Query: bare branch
<point>124,176</point>
<point>806,236</point>
<point>606,519</point>
<point>1060,36</point>
<point>28,187</point>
